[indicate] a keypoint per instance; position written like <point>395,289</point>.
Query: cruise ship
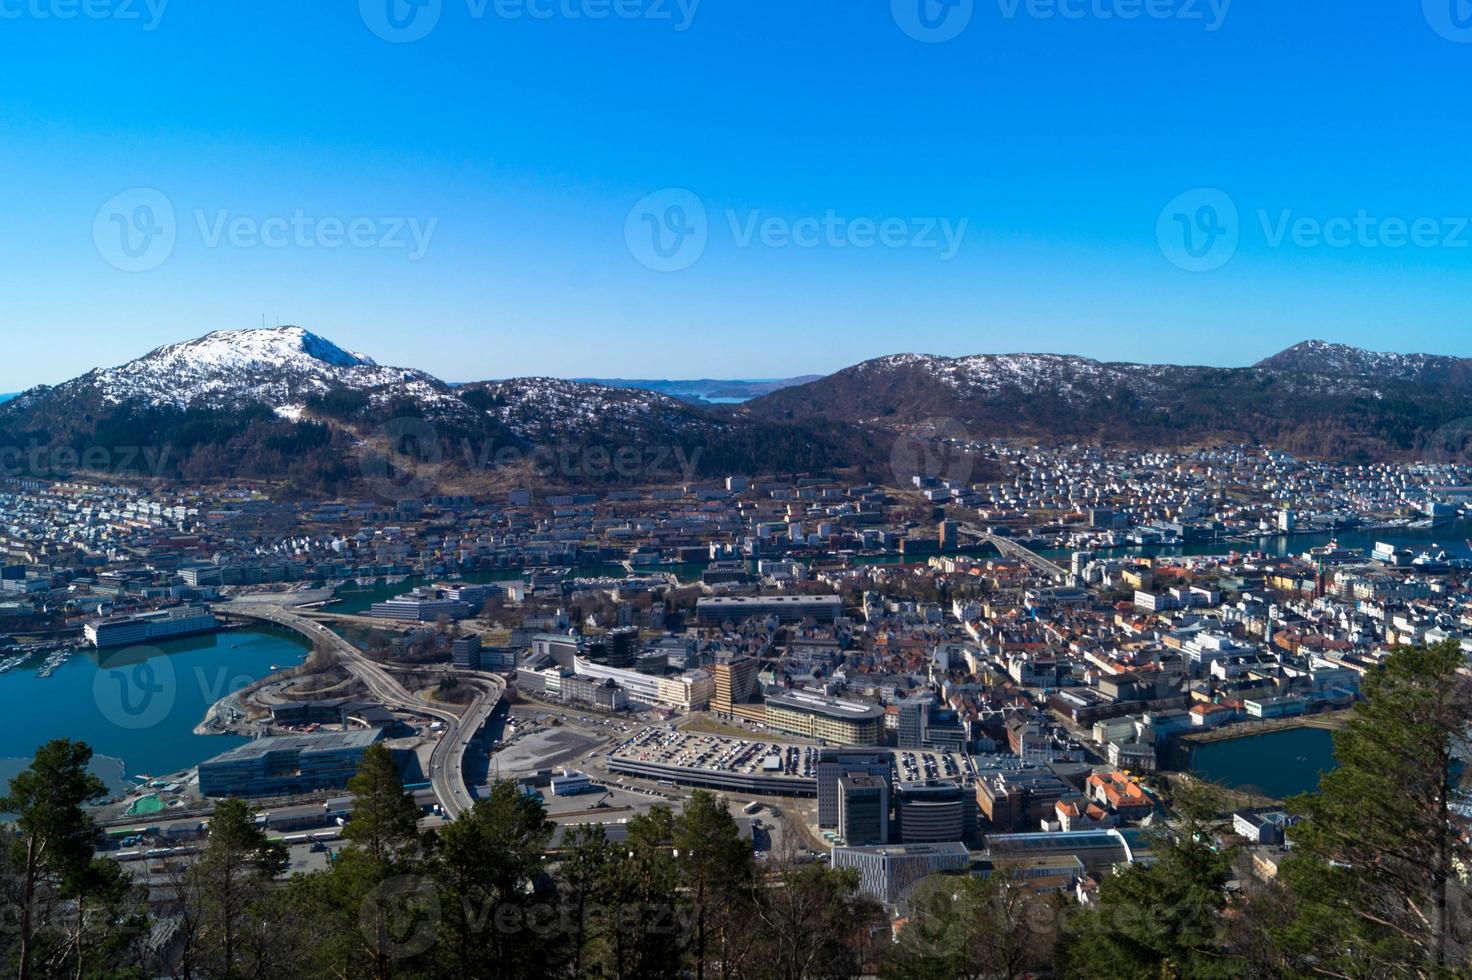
<point>166,624</point>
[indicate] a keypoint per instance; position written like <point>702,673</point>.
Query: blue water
<point>1277,764</point>
<point>140,709</point>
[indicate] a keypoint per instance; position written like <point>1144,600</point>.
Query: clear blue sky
<point>527,140</point>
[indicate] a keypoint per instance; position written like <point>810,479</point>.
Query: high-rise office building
<point>834,764</point>
<point>863,809</point>
<point>735,682</point>
<point>933,811</point>
<point>914,711</point>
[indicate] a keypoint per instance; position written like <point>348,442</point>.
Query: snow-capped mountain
<point>1322,357</point>
<point>993,373</point>
<point>281,367</point>
<point>268,402</point>
<point>536,407</point>
<point>1314,398</point>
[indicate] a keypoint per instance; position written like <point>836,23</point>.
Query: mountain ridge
<point>1331,401</point>
<point>286,403</point>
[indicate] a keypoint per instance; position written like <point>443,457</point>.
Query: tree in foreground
<point>499,913</point>
<point>54,838</point>
<point>815,923</point>
<point>1373,879</point>
<point>1162,919</point>
<point>223,891</point>
<point>375,912</point>
<point>716,874</point>
<point>964,927</point>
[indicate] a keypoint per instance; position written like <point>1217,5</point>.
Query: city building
<point>890,873</point>
<point>151,627</point>
<point>817,716</point>
<point>787,608</point>
<point>834,764</point>
<point>932,811</point>
<point>863,809</point>
<point>735,682</point>
<point>286,764</point>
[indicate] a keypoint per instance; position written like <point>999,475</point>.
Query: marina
<point>143,711</point>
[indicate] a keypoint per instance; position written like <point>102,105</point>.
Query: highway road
<point>447,761</point>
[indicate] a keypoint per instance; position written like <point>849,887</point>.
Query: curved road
<point>447,761</point>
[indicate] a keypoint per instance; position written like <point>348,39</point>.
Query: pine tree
<point>1377,854</point>
<point>1162,919</point>
<point>53,833</point>
<point>238,864</point>
<point>499,919</point>
<point>717,872</point>
<point>385,824</point>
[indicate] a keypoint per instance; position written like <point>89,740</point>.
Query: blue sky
<point>538,146</point>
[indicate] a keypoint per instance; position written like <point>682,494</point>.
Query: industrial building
<point>286,764</point>
<point>151,627</point>
<point>786,608</point>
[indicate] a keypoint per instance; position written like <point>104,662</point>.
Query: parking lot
<point>716,753</point>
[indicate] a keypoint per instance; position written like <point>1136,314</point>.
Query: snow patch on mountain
<point>281,367</point>
<point>529,406</point>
